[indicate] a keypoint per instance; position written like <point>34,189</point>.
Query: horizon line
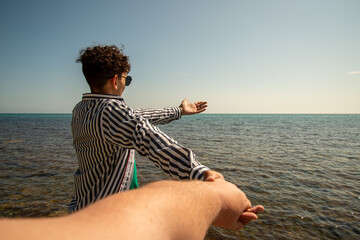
<point>193,114</point>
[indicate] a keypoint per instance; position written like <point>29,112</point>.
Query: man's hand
<point>192,108</point>
<point>210,176</point>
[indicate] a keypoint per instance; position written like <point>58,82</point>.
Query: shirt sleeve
<point>159,116</point>
<point>125,129</point>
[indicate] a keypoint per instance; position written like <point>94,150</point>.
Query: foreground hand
<point>236,209</point>
<point>192,108</point>
<point>210,176</point>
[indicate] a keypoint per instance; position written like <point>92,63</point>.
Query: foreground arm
<point>161,210</point>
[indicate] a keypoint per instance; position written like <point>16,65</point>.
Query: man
<point>160,210</point>
<point>106,132</point>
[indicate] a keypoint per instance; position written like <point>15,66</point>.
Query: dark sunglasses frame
<point>128,79</point>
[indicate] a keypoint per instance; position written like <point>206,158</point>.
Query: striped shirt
<point>106,132</point>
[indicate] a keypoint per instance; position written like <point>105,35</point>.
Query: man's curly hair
<point>99,63</point>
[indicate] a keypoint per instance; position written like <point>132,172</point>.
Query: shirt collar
<point>88,96</point>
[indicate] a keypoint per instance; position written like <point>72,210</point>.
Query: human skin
<point>160,210</point>
<point>192,108</point>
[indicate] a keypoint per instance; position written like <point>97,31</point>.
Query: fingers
<point>211,176</point>
<point>257,209</point>
<point>198,103</point>
<point>247,217</point>
<point>250,214</point>
<point>201,105</point>
<point>200,108</point>
<point>246,220</point>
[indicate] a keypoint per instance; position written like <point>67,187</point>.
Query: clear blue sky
<point>255,56</point>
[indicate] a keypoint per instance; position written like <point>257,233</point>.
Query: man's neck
<point>102,91</point>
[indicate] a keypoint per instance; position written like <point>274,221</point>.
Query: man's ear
<point>114,81</point>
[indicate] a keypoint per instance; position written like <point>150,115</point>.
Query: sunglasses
<point>128,79</point>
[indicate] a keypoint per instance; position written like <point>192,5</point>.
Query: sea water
<point>304,169</point>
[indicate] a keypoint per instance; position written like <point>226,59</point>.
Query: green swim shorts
<point>134,183</point>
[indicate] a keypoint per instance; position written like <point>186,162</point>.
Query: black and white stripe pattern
<point>106,132</point>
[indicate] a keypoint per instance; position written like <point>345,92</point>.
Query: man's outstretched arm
<point>161,210</point>
<point>165,115</point>
<point>159,115</point>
